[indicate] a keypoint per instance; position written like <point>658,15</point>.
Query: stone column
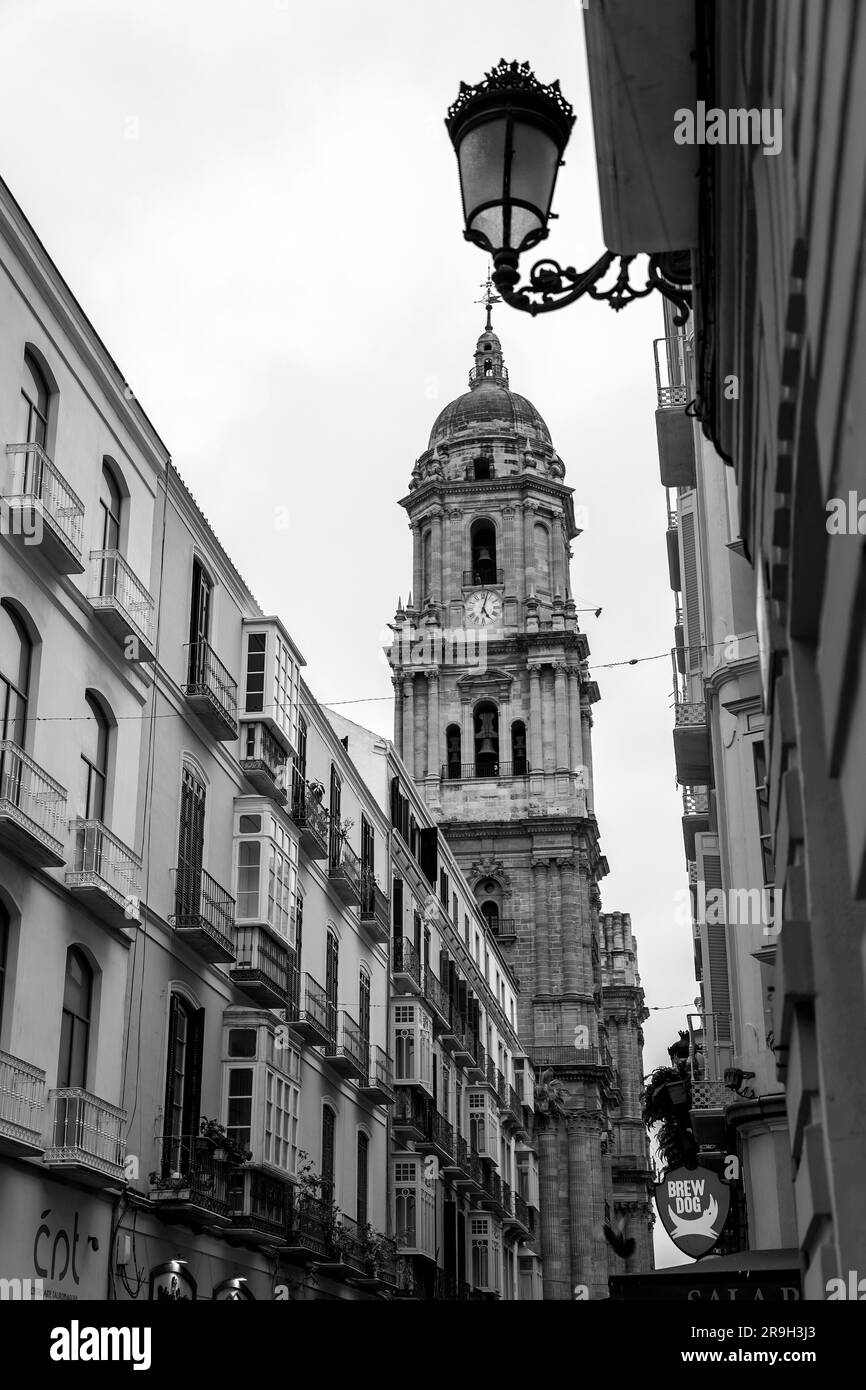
<point>508,557</point>
<point>536,760</point>
<point>467,733</point>
<point>397,683</point>
<point>433,760</point>
<point>586,740</point>
<point>554,1245</point>
<point>554,926</point>
<point>570,918</point>
<point>438,557</point>
<point>574,718</point>
<point>520,553</point>
<point>505,751</point>
<point>529,510</point>
<point>417,564</point>
<point>542,933</point>
<point>579,1202</point>
<point>408,753</point>
<point>560,679</point>
<point>453,568</point>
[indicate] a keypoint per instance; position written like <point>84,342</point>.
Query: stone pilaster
<point>560,696</point>
<point>542,938</point>
<point>408,750</point>
<point>433,759</point>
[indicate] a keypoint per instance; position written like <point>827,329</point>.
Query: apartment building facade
<point>194,1082</point>
<point>776,253</point>
<point>463,1174</point>
<point>738,1104</point>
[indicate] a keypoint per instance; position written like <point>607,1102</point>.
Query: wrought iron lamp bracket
<point>552,286</point>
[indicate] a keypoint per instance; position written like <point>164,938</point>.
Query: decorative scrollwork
<point>511,76</point>
<point>552,286</point>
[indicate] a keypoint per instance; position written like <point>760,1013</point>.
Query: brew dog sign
<point>693,1205</point>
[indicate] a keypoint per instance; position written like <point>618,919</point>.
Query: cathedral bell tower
<point>493,717</point>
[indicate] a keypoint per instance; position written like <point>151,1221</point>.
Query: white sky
<point>256,203</point>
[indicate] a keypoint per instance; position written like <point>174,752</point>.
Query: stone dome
<point>489,406</point>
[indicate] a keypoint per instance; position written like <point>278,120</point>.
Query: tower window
<point>486,739</point>
<point>490,913</point>
<point>518,748</point>
<point>482,468</point>
<point>483,536</point>
<point>452,747</point>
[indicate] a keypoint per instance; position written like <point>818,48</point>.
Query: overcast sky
<point>256,203</point>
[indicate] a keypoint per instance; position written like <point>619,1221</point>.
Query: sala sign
<point>693,1205</point>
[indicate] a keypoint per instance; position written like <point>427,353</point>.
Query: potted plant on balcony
<point>224,1148</point>
<point>666,1100</point>
<point>376,1250</point>
<point>316,790</point>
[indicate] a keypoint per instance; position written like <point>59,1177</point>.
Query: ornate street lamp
<point>509,133</point>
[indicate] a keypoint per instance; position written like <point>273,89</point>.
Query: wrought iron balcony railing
<point>696,801</point>
<point>406,960</point>
<point>344,869</point>
<point>22,1101</point>
<point>32,806</point>
<point>263,760</point>
<point>436,996</point>
<point>316,1015</point>
<point>374,906</point>
<point>484,574</point>
<point>258,1203</point>
<point>204,912</point>
<point>503,926</point>
<point>380,1077</point>
<point>117,594</point>
<point>33,479</point>
<point>101,860</point>
<point>261,967</point>
<point>212,690</point>
<point>348,1051</point>
<point>497,374</point>
<point>690,713</point>
<point>313,820</point>
<point>85,1132</point>
<point>672,372</point>
<point>484,769</point>
<point>190,1176</point>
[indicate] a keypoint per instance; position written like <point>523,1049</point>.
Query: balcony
<point>464,1044</point>
<point>22,1103</point>
<point>258,1206</point>
<point>261,967</point>
<point>504,929</point>
<point>204,914</point>
<point>439,1002</point>
<point>312,820</point>
<point>263,761</point>
<point>521,1214</point>
<point>489,1078</point>
<point>191,1185</point>
<point>510,1107</point>
<point>692,743</point>
<point>456,1163</point>
<point>306,1231</point>
<point>406,968</point>
<point>40,510</point>
<point>106,874</point>
<point>344,871</point>
<point>484,770</point>
<point>438,1136</point>
<point>476,1070</point>
<point>672,541</point>
<point>347,1050</point>
<point>409,1119</point>
<point>86,1137</point>
<point>121,603</point>
<point>483,577</point>
<point>315,1015</point>
<point>375,918</point>
<point>378,1086</point>
<point>696,816</point>
<point>490,1197</point>
<point>32,809</point>
<point>212,692</point>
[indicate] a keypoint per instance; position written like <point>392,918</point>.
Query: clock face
<point>483,608</point>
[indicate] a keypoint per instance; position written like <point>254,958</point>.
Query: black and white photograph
<point>432,676</point>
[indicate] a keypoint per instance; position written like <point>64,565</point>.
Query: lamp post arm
<point>552,286</point>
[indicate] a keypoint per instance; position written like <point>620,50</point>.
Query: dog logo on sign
<point>693,1206</point>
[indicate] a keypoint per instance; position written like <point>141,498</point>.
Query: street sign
<point>693,1205</point>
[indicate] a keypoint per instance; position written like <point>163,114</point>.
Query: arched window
<point>15,654</point>
<point>541,555</point>
<point>483,537</point>
<point>362,1178</point>
<point>486,739</point>
<point>35,397</point>
<point>5,931</point>
<point>490,913</point>
<point>110,503</point>
<point>94,762</point>
<point>182,1082</point>
<point>520,765</point>
<point>332,973</point>
<point>364,1003</point>
<point>426,567</point>
<point>453,750</point>
<point>329,1135</point>
<point>75,1020</point>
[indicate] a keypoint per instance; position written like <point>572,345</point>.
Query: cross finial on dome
<point>489,299</point>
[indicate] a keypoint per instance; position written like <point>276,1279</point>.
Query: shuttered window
<point>691,592</point>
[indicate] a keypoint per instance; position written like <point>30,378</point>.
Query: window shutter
<point>429,857</point>
<point>397,908</point>
<point>192,1107</point>
<point>173,1018</point>
<point>691,591</point>
<point>714,945</point>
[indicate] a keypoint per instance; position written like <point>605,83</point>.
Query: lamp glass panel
<point>522,223</point>
<point>482,155</point>
<point>489,223</point>
<point>533,169</point>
